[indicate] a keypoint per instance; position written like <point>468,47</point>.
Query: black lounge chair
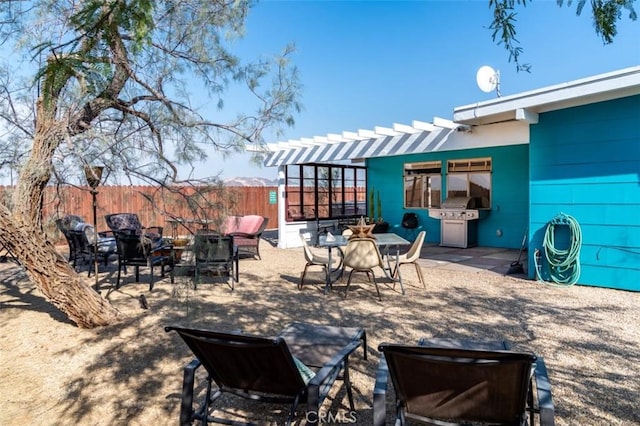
<point>453,386</point>
<point>265,369</point>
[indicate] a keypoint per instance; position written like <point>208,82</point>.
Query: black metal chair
<point>454,386</point>
<point>66,225</point>
<point>217,254</point>
<point>275,370</point>
<point>135,250</point>
<point>81,238</point>
<point>130,222</point>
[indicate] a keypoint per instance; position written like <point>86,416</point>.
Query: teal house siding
<point>585,162</point>
<point>510,192</point>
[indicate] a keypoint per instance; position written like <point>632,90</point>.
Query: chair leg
<point>151,279</point>
<point>118,279</point>
<point>347,382</point>
<point>420,277</point>
<point>188,384</point>
<point>304,273</point>
<point>348,282</point>
<point>376,284</point>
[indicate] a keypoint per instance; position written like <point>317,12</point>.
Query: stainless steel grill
<point>458,222</point>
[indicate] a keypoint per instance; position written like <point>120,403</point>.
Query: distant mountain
<point>250,181</point>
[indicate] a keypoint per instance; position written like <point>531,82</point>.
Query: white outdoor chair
<point>362,255</point>
<point>412,256</point>
<point>313,259</point>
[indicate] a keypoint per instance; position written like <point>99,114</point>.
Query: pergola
<point>335,149</point>
<point>380,142</point>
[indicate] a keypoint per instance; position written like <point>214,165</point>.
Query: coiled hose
<point>564,265</point>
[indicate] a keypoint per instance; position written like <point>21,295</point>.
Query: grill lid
<point>458,203</point>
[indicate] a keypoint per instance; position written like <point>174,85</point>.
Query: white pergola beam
<point>367,133</point>
<point>404,128</point>
<point>385,131</point>
<point>352,136</point>
<point>423,125</point>
<point>442,122</point>
<point>334,137</point>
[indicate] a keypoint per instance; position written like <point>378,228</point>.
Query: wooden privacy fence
<point>155,208</point>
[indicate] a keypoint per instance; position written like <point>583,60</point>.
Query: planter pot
<point>381,227</point>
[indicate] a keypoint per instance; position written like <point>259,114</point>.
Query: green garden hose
<point>563,265</point>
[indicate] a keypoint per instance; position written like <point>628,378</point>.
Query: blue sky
<point>373,63</point>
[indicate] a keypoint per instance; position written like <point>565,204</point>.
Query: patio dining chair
<point>313,258</point>
<point>275,370</point>
<point>411,257</point>
<point>456,386</point>
<point>362,255</point>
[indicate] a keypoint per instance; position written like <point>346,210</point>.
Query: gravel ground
<point>131,373</point>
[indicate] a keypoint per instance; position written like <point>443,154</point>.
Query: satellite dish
<point>488,79</point>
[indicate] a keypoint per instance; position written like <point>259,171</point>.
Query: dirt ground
<point>53,373</point>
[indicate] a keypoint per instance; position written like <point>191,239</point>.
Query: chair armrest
<point>188,383</point>
<point>153,230</point>
<point>543,387</point>
<point>320,384</point>
<point>105,234</point>
<point>380,393</point>
<point>243,234</point>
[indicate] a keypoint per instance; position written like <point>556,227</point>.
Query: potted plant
<point>375,213</point>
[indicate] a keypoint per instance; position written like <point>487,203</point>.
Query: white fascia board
<point>602,87</point>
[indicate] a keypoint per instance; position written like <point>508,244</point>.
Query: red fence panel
<point>63,200</point>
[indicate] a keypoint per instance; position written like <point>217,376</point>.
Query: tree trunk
<point>53,275</point>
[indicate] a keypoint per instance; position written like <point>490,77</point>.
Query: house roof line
<point>598,88</point>
<point>426,137</point>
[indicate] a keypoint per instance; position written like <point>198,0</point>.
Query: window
<point>332,191</point>
<point>423,184</point>
<point>470,178</point>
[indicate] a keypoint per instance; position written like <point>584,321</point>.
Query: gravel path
<point>56,374</point>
